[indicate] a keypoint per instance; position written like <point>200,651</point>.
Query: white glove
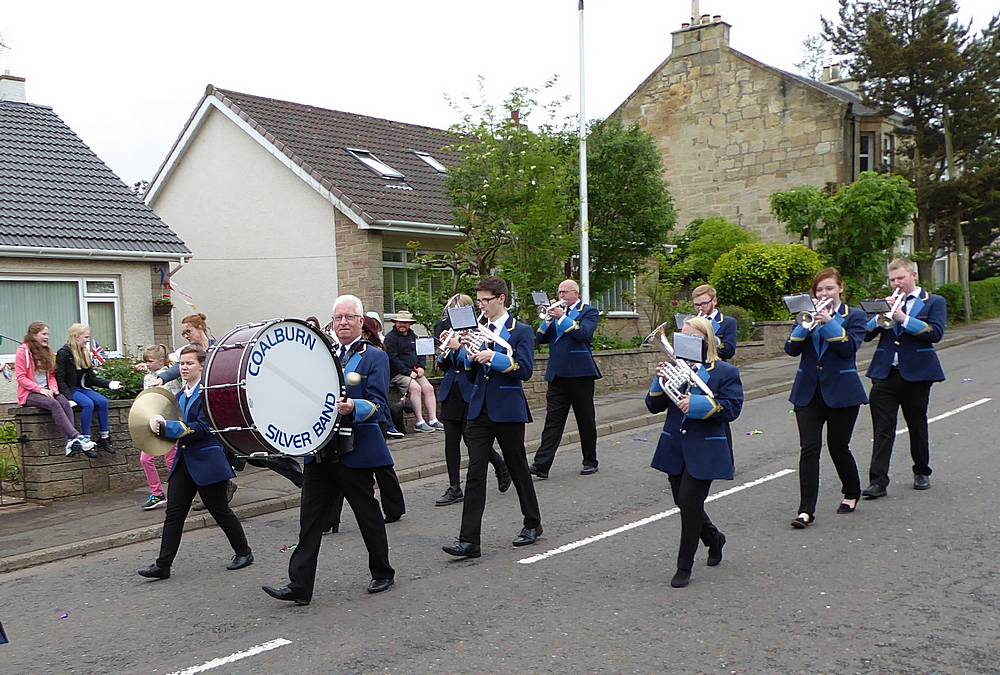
<point>72,403</point>
<point>114,385</point>
<point>155,421</point>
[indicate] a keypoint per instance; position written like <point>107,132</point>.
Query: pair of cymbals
<point>149,402</point>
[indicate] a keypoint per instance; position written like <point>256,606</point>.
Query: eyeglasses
<point>187,332</point>
<point>339,318</point>
<point>703,304</point>
<point>483,301</point>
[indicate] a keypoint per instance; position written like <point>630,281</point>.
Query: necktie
<point>343,354</point>
<point>492,328</point>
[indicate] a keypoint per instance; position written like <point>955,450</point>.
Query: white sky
<point>126,77</point>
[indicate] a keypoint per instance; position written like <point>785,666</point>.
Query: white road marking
<point>236,656</point>
<point>649,519</point>
<point>950,413</point>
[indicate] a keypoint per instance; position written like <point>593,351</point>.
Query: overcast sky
<point>126,77</point>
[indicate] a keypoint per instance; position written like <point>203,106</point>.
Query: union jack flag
<point>97,353</point>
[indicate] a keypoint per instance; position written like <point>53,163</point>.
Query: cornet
<point>886,320</point>
<point>449,334</point>
<point>474,339</point>
<point>675,376</point>
<point>808,319</point>
<point>543,311</point>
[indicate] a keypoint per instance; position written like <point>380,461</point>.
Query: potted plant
<point>162,306</point>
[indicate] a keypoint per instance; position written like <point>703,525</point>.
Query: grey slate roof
<point>317,139</point>
<point>55,193</point>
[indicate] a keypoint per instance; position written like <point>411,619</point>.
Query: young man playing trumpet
<point>902,371</point>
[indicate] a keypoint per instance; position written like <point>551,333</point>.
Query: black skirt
<point>454,407</point>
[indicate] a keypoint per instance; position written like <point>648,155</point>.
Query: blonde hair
<point>704,326</point>
<point>704,289</point>
<point>81,356</point>
<point>904,263</point>
<point>155,353</point>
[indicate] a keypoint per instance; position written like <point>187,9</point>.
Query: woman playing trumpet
<point>693,449</point>
<point>827,390</point>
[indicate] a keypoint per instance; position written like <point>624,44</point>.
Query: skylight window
<point>431,162</point>
<point>375,164</point>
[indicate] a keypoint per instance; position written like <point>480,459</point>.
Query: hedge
<point>756,276</point>
<point>985,297</point>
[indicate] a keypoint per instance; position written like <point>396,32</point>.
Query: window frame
<point>373,164</point>
<point>83,301</point>
<point>405,264</point>
<point>867,156</point>
<point>430,161</point>
<point>625,314</point>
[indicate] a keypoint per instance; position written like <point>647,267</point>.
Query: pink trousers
<point>152,475</point>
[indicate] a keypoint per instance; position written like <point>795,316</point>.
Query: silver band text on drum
<point>284,439</point>
<point>275,338</point>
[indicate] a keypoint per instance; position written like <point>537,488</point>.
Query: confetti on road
<point>966,379</point>
<point>64,615</point>
<point>755,432</point>
<point>286,548</point>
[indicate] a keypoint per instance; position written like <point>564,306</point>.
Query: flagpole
<point>584,224</point>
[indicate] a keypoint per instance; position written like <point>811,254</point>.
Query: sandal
<point>802,521</point>
<point>847,507</point>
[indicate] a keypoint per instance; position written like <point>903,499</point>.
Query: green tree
<point>855,228</point>
<point>697,250</point>
<point>756,276</point>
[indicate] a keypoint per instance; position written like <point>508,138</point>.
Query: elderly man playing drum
<point>346,468</point>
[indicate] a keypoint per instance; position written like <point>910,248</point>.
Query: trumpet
<point>675,376</point>
<point>808,319</point>
<point>543,311</point>
<point>476,339</point>
<point>886,320</point>
<point>449,334</point>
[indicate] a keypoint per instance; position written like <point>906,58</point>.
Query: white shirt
<point>349,345</point>
<point>499,322</point>
<point>907,306</point>
<point>188,388</point>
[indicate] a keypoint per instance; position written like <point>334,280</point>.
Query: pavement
<point>32,535</point>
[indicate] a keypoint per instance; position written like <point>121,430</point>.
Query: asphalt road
<point>908,583</point>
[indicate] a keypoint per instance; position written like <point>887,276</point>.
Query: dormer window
<point>375,164</point>
<point>431,162</point>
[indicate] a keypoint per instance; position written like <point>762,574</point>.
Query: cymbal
<point>149,402</point>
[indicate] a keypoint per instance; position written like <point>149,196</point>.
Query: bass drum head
<point>293,381</point>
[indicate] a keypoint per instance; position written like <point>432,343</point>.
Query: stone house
<point>75,244</point>
<point>288,205</point>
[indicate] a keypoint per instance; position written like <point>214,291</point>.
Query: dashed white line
<point>235,656</point>
<point>648,519</point>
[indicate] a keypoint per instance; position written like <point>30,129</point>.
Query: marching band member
<point>706,303</point>
<point>902,371</point>
<point>693,449</point>
<point>200,467</point>
<point>454,395</point>
<point>333,471</point>
<point>571,373</point>
<point>498,410</point>
<point>827,390</point>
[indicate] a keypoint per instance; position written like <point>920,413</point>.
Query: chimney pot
<point>685,25</point>
<point>835,71</point>
<point>706,18</point>
<point>716,18</point>
<point>826,74</point>
<point>12,88</point>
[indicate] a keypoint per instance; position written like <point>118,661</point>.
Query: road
<point>908,583</point>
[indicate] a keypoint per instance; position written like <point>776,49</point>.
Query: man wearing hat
<point>407,370</point>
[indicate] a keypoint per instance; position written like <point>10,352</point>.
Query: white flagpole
<point>584,224</point>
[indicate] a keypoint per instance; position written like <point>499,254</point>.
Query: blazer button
<point>684,431</point>
<point>819,367</point>
<point>896,343</point>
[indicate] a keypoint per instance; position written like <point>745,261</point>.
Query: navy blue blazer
<point>497,385</point>
<point>370,398</point>
<point>697,441</point>
<point>201,449</point>
<point>827,360</point>
<point>453,369</point>
<point>918,362</point>
<point>725,335</point>
<point>569,343</point>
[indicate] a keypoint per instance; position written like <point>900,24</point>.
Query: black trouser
<point>479,436</point>
<point>181,490</point>
<point>886,398</point>
<point>689,496</point>
<point>390,493</point>
<point>323,483</point>
<point>564,393</point>
<point>453,453</point>
<point>839,427</point>
<point>281,465</point>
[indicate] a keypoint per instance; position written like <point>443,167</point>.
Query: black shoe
<point>451,496</point>
<point>874,491</point>
<point>333,529</point>
<point>845,506</point>
<point>538,473</point>
<point>105,445</point>
<point>503,479</point>
<point>379,585</point>
<point>528,535</point>
<point>393,518</point>
<point>715,550</point>
<point>285,593</point>
<point>921,482</point>
<point>154,571</point>
<point>90,452</point>
<point>681,578</point>
<point>462,549</point>
<point>240,561</point>
<point>803,520</point>
<point>230,491</point>
<point>588,470</point>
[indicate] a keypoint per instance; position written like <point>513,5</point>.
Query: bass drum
<point>273,387</point>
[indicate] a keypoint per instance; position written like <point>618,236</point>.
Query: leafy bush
<point>986,261</point>
<point>984,296</point>
<point>699,248</point>
<point>604,342</point>
<point>8,434</point>
<point>124,371</point>
<point>9,470</point>
<point>755,276</point>
<point>952,294</point>
<point>424,308</point>
<point>744,321</point>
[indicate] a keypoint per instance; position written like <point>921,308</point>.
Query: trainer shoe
<point>104,443</point>
<point>73,447</point>
<point>87,445</point>
<point>437,425</point>
<point>424,427</point>
<point>393,432</point>
<point>153,502</point>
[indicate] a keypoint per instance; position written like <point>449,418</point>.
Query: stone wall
<point>732,130</point>
<point>162,331</point>
<point>359,262</point>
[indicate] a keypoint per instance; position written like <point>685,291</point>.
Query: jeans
<point>89,401</point>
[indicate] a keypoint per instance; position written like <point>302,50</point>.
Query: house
<point>75,244</point>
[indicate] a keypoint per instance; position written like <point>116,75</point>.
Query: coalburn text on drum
<point>275,338</point>
<point>304,439</point>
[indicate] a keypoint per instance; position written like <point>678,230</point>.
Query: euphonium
<point>675,375</point>
<point>886,320</point>
<point>808,319</point>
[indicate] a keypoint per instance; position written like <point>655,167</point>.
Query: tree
<point>698,249</point>
<point>856,227</point>
<point>913,56</point>
<point>815,55</point>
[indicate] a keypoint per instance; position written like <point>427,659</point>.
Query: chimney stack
<point>826,74</point>
<point>12,88</point>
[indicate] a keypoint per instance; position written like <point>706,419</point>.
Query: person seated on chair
<point>407,371</point>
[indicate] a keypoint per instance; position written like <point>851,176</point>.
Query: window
<point>619,299</point>
<point>939,272</point>
<point>433,163</point>
<point>906,245</point>
<point>58,302</point>
<point>401,274</point>
<point>375,164</point>
<point>888,152</point>
<point>865,153</point>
